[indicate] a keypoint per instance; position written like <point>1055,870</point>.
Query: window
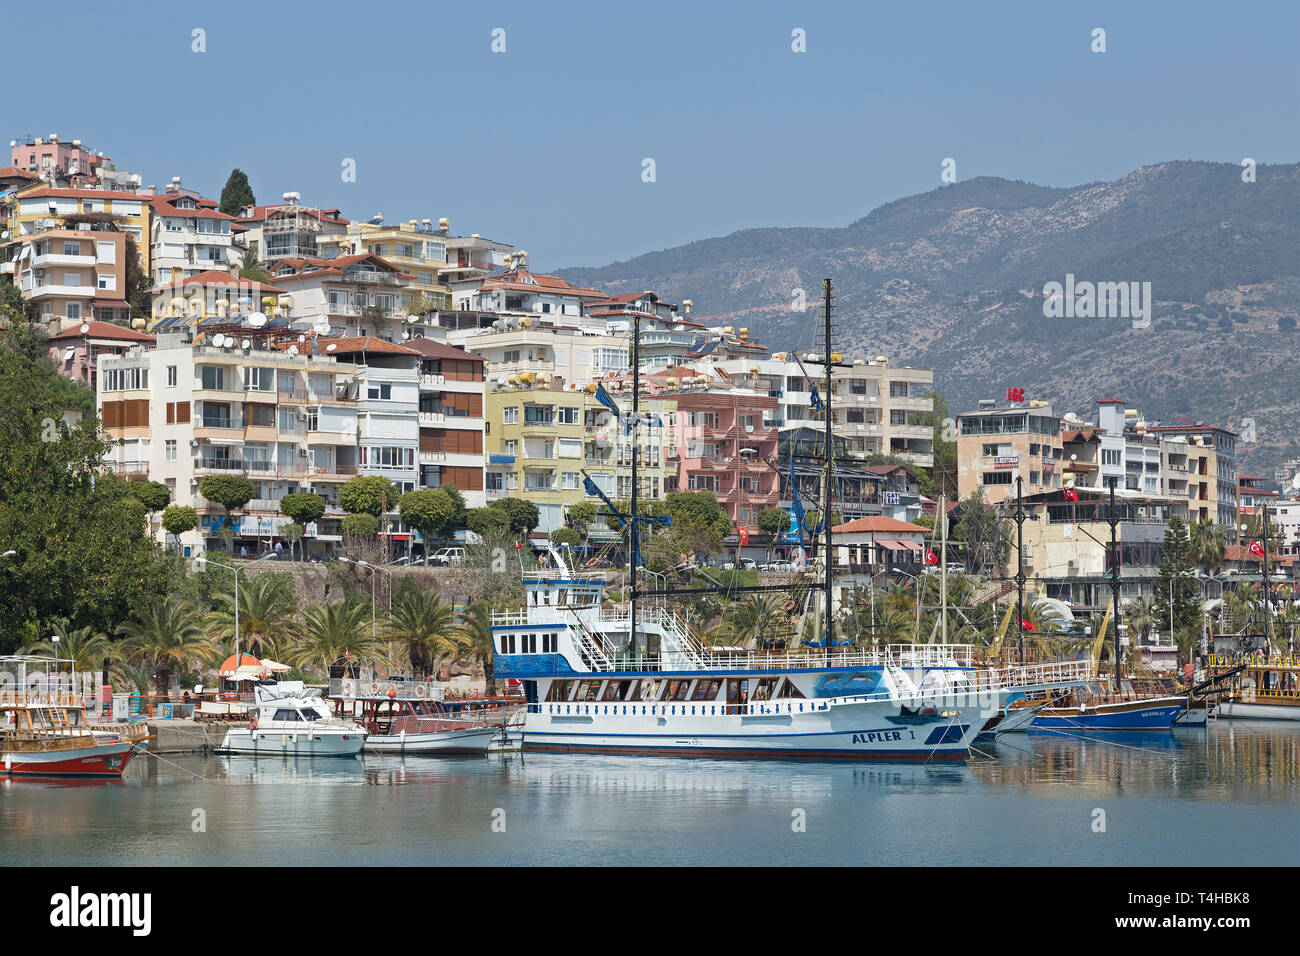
<point>539,414</point>
<point>1110,456</point>
<point>997,478</point>
<point>259,416</point>
<point>171,376</point>
<point>496,481</point>
<point>72,278</point>
<point>71,248</point>
<point>124,379</point>
<point>73,310</point>
<point>213,377</point>
<point>569,481</point>
<point>169,449</point>
<point>567,416</point>
<point>259,379</point>
<point>383,391</point>
<point>510,415</point>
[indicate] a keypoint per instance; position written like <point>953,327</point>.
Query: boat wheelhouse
<point>293,720</point>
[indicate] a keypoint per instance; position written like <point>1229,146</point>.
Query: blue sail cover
<point>602,396</point>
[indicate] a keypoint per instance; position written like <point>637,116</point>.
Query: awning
<point>110,303</point>
<point>273,666</point>
<point>890,544</point>
<point>910,545</point>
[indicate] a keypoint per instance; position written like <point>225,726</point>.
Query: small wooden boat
<point>1262,687</point>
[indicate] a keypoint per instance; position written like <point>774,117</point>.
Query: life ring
<point>788,606</point>
<point>252,724</point>
<point>420,691</point>
<point>349,687</point>
<point>374,689</point>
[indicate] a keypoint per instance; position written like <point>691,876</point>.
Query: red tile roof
<point>166,205</point>
<point>260,213</point>
<point>516,279</point>
<point>102,330</point>
<point>346,346</point>
<point>108,194</point>
<point>874,524</point>
<point>13,172</point>
<point>1111,401</point>
<point>440,350</point>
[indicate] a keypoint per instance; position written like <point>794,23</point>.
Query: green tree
<point>253,270</point>
<point>488,523</point>
<point>523,515</point>
<point>168,634</point>
<point>329,631</point>
<point>698,522</point>
<point>81,554</point>
<point>85,646</point>
<point>580,515</point>
<point>232,492</point>
<point>368,494</point>
<point>423,624</point>
<point>567,536</point>
<point>304,508</point>
<point>430,511</point>
<point>360,527</point>
<point>268,611</point>
<point>237,193</point>
<point>292,533</point>
<point>475,638</point>
<point>774,521</point>
<point>1177,592</point>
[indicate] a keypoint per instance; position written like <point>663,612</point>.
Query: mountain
<point>954,280</point>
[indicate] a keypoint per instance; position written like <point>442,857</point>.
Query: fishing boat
<point>604,677</point>
<point>1097,707</point>
<point>45,730</point>
<point>414,717</point>
<point>1016,716</point>
<point>1262,688</point>
<point>292,720</point>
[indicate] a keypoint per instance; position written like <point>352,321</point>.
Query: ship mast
<point>828,519</point>
<point>636,453</point>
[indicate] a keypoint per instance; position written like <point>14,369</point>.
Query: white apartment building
<point>188,236</point>
<point>388,404</point>
<point>185,410</point>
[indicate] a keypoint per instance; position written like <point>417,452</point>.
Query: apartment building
<point>388,405</point>
<point>535,437</point>
<point>288,230</point>
<point>188,236</point>
<point>414,247</point>
<point>608,445</point>
<point>1067,552</point>
<point>1211,470</point>
<point>997,445</point>
<point>471,257</point>
<point>52,156</point>
<point>879,409</point>
<point>451,419</point>
<point>75,350</point>
<point>722,442</point>
<point>356,296</point>
<point>40,208</point>
<point>207,406</point>
<point>71,275</point>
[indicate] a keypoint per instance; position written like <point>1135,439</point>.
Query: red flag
<point>1026,625</point>
<point>744,536</point>
<point>519,546</point>
<point>1256,549</point>
<point>931,557</point>
<point>1071,495</point>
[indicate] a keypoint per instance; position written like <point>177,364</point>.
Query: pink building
<point>74,352</point>
<point>67,160</point>
<point>721,441</point>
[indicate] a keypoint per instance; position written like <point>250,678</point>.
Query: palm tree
<point>746,621</point>
<point>268,611</point>
<point>475,637</point>
<point>331,631</point>
<point>84,646</point>
<point>1142,616</point>
<point>1209,543</point>
<point>167,634</point>
<point>423,623</point>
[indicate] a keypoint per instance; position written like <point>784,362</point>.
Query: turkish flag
<point>744,536</point>
<point>931,557</point>
<point>1256,549</point>
<point>519,546</point>
<point>1027,626</point>
<point>1071,495</point>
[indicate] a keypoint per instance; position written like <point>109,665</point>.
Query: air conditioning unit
<point>1072,567</point>
<point>302,452</point>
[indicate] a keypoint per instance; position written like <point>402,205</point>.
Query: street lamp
<point>202,561</point>
<point>8,554</point>
<point>374,628</point>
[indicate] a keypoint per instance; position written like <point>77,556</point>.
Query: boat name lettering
<point>877,735</point>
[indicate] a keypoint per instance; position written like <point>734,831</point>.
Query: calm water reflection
<point>1226,795</point>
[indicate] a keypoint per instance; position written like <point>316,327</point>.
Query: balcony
<point>64,291</point>
<point>58,259</point>
<point>128,468</point>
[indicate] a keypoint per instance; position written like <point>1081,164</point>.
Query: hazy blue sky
<point>542,145</point>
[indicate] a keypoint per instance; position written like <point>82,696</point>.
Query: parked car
<point>784,566</point>
<point>448,557</point>
<point>744,564</point>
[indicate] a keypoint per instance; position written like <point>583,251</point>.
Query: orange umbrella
<point>228,666</point>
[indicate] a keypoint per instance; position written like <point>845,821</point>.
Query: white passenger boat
<point>291,720</point>
<point>414,717</point>
<point>588,691</point>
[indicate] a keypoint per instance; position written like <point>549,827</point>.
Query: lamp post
<point>201,562</point>
<point>374,626</point>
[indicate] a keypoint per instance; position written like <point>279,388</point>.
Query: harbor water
<point>1228,794</point>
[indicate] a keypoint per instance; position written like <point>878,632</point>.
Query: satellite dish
<point>412,319</point>
<point>257,320</point>
<point>322,326</point>
<point>84,328</point>
<point>246,345</point>
<point>293,350</point>
<point>5,234</point>
<point>331,347</point>
<point>405,336</point>
<point>218,340</point>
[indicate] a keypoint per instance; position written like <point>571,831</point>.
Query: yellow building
<point>412,246</point>
<point>39,209</point>
<point>540,437</point>
<point>997,445</point>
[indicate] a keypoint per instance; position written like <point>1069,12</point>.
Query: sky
<point>544,145</point>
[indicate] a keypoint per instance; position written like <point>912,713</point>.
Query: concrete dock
<point>187,736</point>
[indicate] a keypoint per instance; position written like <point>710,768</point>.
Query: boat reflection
<point>244,768</point>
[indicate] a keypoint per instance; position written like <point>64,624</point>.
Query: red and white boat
<point>44,731</point>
